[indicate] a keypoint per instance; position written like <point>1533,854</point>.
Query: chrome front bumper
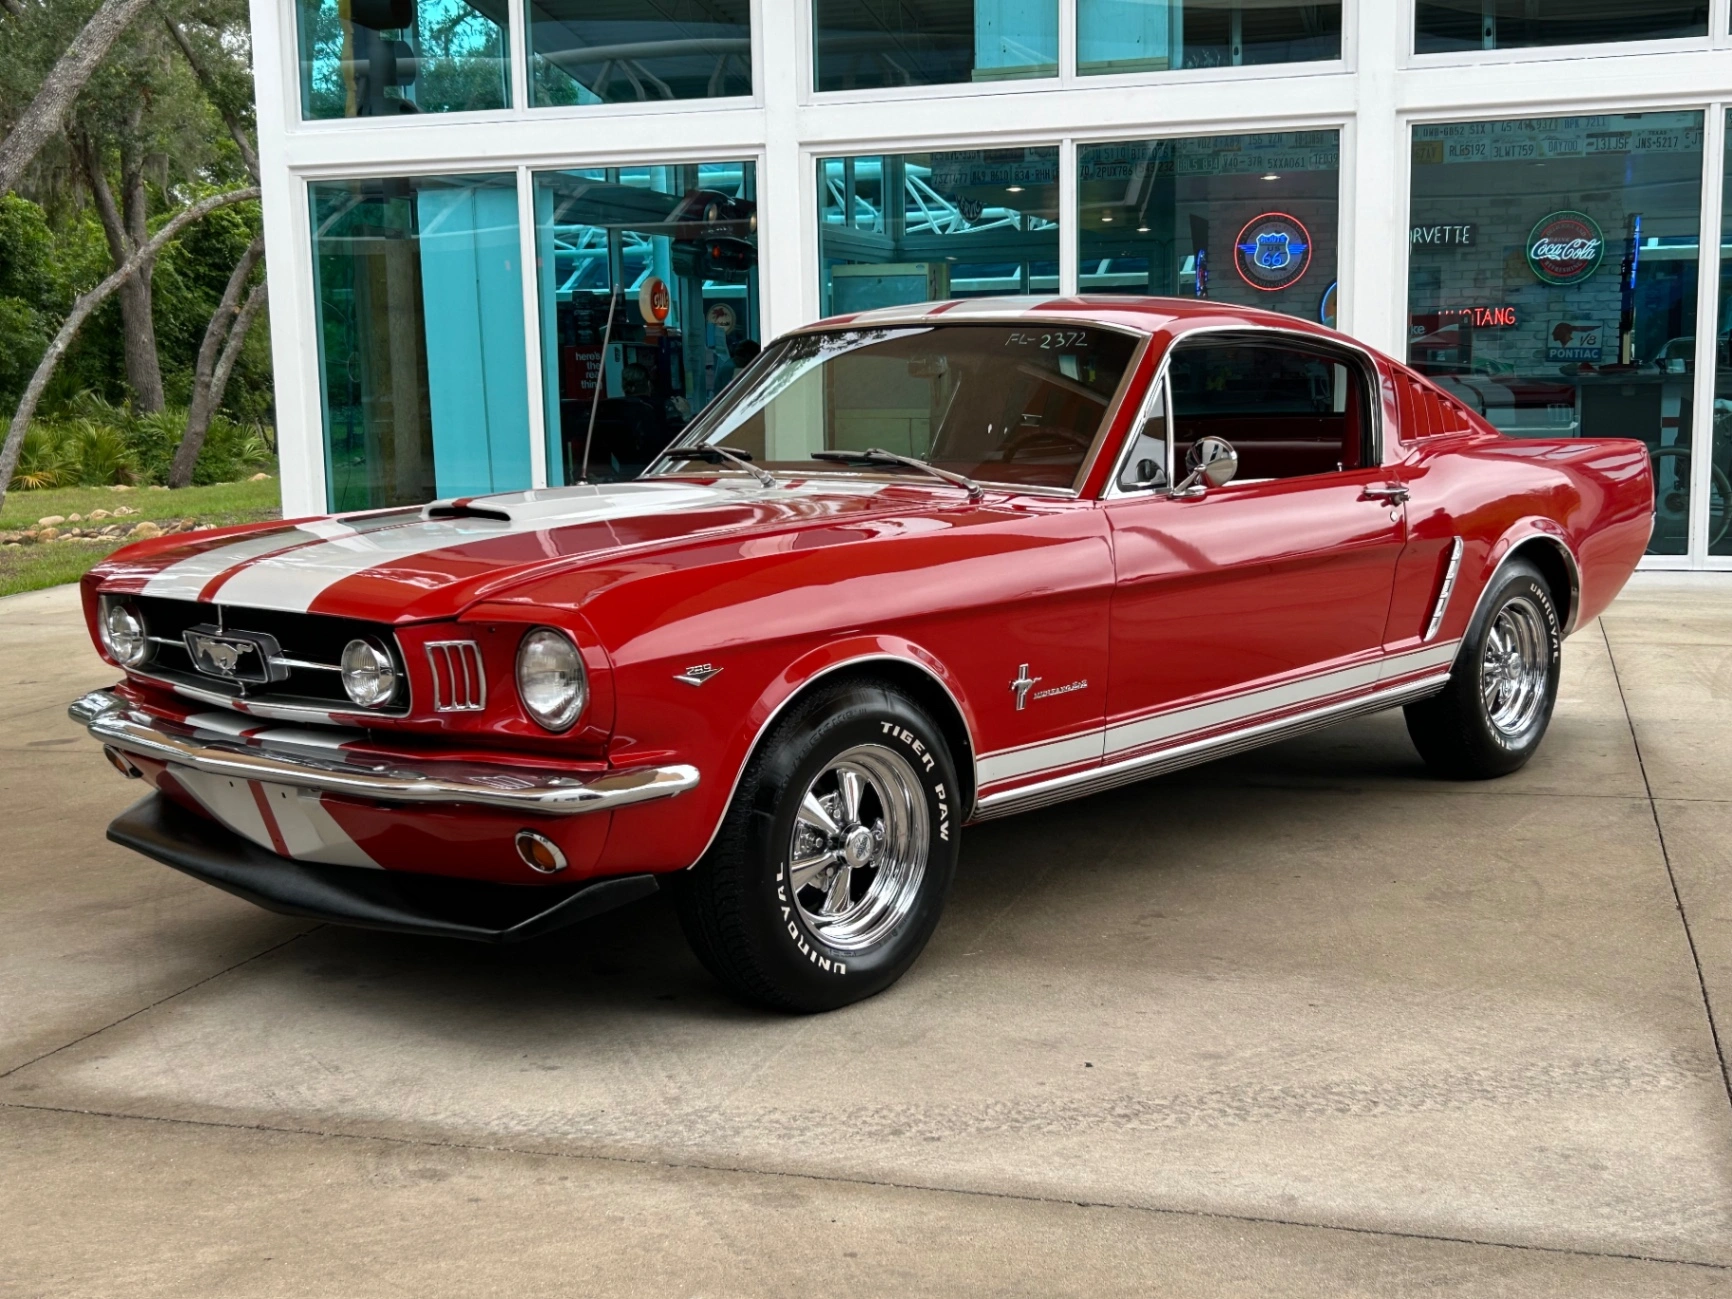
<point>126,731</point>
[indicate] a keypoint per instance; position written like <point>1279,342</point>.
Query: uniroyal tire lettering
<point>822,962</point>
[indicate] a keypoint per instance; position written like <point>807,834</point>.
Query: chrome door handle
<point>1390,494</point>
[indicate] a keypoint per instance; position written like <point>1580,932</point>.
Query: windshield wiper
<point>879,456</point>
<point>724,456</point>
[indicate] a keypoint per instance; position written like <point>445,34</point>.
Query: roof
<point>1148,315</point>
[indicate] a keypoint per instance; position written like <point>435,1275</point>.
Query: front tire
<point>1489,720</point>
<point>832,865</point>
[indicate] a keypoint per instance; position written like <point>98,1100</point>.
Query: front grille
<point>310,650</point>
<point>459,686</point>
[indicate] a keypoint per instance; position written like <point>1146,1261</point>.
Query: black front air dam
<point>370,899</point>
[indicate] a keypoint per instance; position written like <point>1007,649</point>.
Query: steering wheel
<point>1022,439</point>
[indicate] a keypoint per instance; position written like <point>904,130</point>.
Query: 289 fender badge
<point>697,674</point>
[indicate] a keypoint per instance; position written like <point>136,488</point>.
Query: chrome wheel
<point>858,850</point>
<point>1513,674</point>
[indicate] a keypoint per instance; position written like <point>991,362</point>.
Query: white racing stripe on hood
<point>187,578</point>
<point>292,580</point>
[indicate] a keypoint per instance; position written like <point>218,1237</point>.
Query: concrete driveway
<point>1302,1023</point>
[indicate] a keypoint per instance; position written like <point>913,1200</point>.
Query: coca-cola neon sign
<point>1566,248</point>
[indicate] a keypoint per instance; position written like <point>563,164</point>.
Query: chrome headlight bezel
<point>369,673</point>
<point>124,634</point>
<point>544,655</point>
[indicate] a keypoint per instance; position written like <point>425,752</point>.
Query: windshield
<point>1019,405</point>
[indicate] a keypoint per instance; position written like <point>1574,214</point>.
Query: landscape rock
<point>48,534</point>
<point>124,510</point>
<point>258,478</point>
<point>121,487</point>
<point>144,531</point>
<point>75,518</point>
<point>49,520</point>
<point>97,514</point>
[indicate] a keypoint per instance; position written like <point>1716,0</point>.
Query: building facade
<point>502,230</point>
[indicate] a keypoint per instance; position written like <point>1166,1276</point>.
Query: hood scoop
<point>464,510</point>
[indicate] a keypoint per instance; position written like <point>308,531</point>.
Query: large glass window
<point>877,44</point>
<point>1552,281</point>
<point>914,227</point>
<point>420,338</point>
<point>383,58</point>
<point>649,306</point>
<point>627,51</point>
<point>1249,219</point>
<point>1154,35</point>
<point>1445,25</point>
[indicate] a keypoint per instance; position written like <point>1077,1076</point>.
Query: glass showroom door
<point>649,306</point>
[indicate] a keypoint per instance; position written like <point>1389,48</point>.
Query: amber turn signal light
<point>539,852</point>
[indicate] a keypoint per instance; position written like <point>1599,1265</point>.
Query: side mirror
<point>1212,462</point>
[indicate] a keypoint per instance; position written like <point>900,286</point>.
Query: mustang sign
<point>915,568</point>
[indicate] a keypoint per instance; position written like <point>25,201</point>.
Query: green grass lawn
<point>222,503</point>
<point>29,568</point>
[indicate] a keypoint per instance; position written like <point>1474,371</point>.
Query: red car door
<point>1267,596</point>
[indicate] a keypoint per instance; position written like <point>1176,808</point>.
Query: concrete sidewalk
<point>1304,1023</point>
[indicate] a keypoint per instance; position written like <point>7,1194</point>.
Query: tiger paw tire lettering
<point>833,862</point>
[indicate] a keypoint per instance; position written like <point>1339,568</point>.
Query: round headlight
<point>369,676</point>
<point>124,635</point>
<point>550,678</point>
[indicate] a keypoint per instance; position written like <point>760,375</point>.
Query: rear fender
<point>1545,543</point>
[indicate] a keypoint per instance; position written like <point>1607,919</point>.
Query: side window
<point>1146,466</point>
<point>1289,410</point>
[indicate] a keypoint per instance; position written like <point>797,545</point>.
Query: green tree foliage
<point>146,113</point>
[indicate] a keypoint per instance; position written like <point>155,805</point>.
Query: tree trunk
<point>47,111</point>
<point>138,328</point>
<point>206,395</point>
<point>137,296</point>
<point>80,312</point>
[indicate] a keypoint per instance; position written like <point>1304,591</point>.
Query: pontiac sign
<point>1566,248</point>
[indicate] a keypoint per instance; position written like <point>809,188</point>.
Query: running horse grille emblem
<point>226,658</point>
<point>233,656</point>
<point>1022,685</point>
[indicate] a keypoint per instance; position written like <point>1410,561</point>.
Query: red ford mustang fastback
<point>915,568</point>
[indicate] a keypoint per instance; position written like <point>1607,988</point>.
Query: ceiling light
<point>1271,176</point>
<point>1013,189</point>
<point>1106,217</point>
<point>1142,230</point>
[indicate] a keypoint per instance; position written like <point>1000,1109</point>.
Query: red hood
<point>432,562</point>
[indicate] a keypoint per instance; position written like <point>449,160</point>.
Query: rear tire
<point>833,862</point>
<point>1489,720</point>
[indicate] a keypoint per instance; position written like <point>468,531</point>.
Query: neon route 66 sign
<point>1273,252</point>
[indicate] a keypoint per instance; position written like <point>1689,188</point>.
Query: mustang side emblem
<point>1024,685</point>
<point>697,674</point>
